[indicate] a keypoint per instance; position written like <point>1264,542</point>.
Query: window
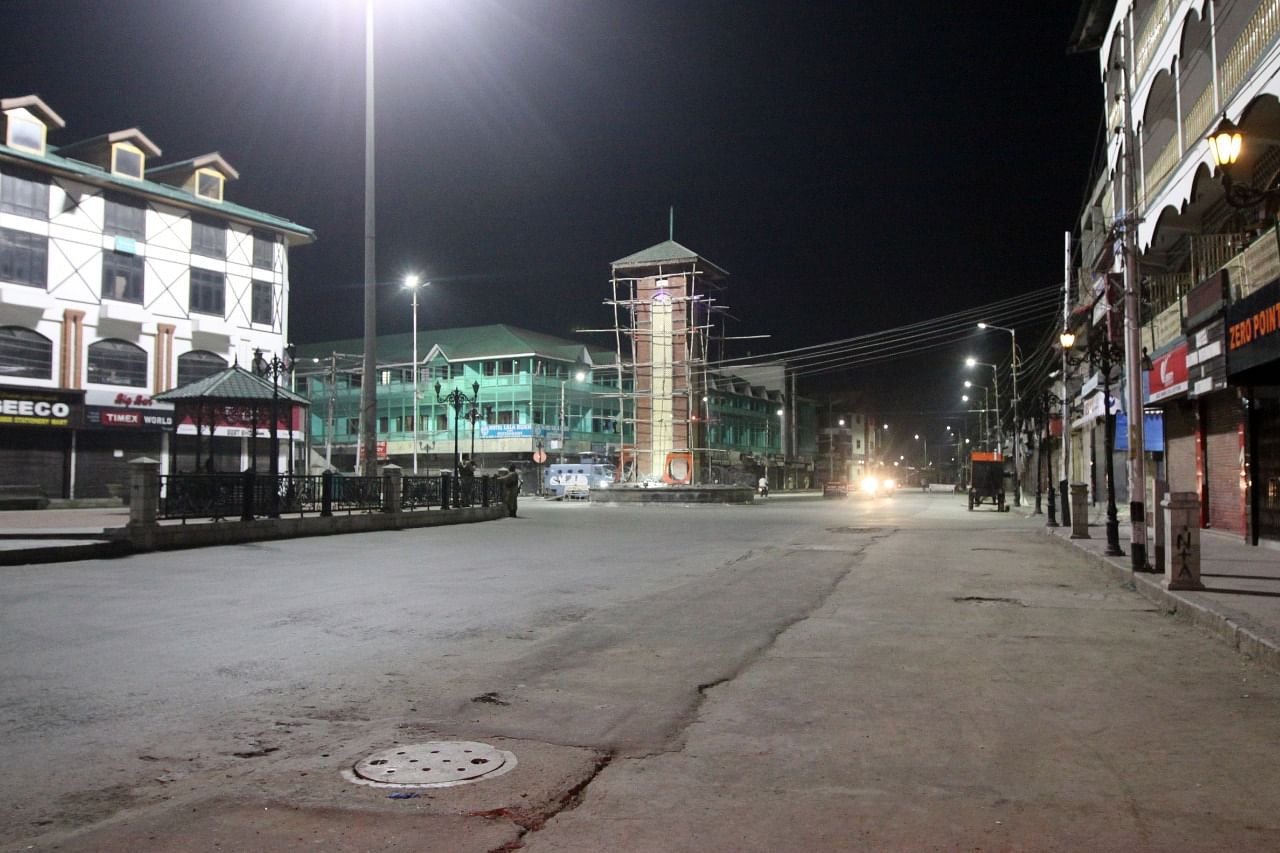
<point>208,292</point>
<point>25,354</point>
<point>114,362</point>
<point>209,184</point>
<point>198,364</point>
<point>122,277</point>
<point>438,371</point>
<point>442,422</point>
<point>24,258</point>
<point>26,133</point>
<point>262,303</point>
<point>208,238</point>
<point>490,368</point>
<point>126,160</point>
<point>506,368</point>
<point>264,250</point>
<point>24,194</point>
<point>125,218</point>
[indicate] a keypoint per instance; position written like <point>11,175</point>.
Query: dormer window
<point>26,133</point>
<point>127,160</point>
<point>209,184</point>
<point>27,121</point>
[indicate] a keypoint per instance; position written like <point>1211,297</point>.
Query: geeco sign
<point>22,407</point>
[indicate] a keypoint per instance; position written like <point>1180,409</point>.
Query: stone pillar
<point>1182,541</point>
<point>144,492</point>
<point>1080,511</point>
<point>392,477</point>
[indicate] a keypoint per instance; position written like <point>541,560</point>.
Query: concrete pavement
<point>858,687</point>
<point>1240,603</point>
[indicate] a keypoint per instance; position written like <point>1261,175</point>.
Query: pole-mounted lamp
<point>1226,144</point>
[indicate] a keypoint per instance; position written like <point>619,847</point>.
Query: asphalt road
<point>798,675</point>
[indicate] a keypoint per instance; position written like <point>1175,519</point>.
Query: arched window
<point>114,362</point>
<point>198,364</point>
<point>25,354</point>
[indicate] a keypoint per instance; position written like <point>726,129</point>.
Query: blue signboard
<point>506,431</point>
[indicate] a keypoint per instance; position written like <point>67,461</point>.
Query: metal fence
<point>250,494</point>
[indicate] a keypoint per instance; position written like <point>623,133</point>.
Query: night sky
<point>855,166</point>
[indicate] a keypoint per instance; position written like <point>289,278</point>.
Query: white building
<point>118,280</point>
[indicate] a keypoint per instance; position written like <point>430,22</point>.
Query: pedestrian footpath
<point>1240,603</point>
<point>57,535</point>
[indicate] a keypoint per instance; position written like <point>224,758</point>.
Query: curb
<point>1243,635</point>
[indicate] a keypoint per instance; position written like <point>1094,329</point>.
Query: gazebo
<point>235,403</point>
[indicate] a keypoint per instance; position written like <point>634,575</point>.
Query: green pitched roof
<point>234,383</point>
<point>666,252</point>
<point>462,344</point>
<point>75,168</point>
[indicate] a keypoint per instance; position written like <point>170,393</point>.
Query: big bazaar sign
<point>1169,373</point>
<point>1253,329</point>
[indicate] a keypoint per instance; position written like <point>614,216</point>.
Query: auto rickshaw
<point>986,479</point>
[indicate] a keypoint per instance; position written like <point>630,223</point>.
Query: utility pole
<point>328,423</point>
<point>1133,334</point>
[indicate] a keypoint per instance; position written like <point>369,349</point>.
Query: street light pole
<point>457,399</point>
<point>369,384</point>
<point>411,281</point>
<point>579,376</point>
<point>1013,368</point>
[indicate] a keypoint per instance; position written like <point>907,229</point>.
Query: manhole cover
<point>856,530</point>
<point>435,764</point>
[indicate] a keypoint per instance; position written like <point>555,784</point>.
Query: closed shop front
<point>118,427</point>
<point>36,427</point>
<point>1223,431</point>
<point>1253,367</point>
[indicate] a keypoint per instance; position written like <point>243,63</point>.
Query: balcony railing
<point>1149,38</point>
<point>1165,328</point>
<point>1211,252</point>
<point>1254,38</point>
<point>1195,124</point>
<point>1159,168</point>
<point>1259,264</point>
<point>1164,289</point>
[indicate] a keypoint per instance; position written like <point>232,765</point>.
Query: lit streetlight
<point>1013,368</point>
<point>578,376</point>
<point>411,282</point>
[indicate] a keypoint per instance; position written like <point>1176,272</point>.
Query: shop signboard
<point>124,410</point>
<point>40,407</point>
<point>1168,375</point>
<point>1253,329</point>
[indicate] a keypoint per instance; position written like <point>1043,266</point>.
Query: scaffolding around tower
<point>663,298</point>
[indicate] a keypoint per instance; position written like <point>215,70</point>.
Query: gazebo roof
<point>232,384</point>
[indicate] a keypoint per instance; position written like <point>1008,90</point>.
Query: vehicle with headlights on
<point>878,487</point>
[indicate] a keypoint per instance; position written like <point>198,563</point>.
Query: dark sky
<point>853,165</point>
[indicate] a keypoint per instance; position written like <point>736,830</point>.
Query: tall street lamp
<point>1013,368</point>
<point>369,385</point>
<point>578,376</point>
<point>411,282</point>
<point>457,399</point>
<point>986,407</point>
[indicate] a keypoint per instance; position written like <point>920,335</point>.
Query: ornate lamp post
<point>457,399</point>
<point>1047,401</point>
<point>276,367</point>
<point>1103,354</point>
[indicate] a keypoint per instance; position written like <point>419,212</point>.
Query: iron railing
<point>249,495</point>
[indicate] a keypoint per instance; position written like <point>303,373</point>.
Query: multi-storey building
<point>1204,240</point>
<point>119,280</point>
<point>533,394</point>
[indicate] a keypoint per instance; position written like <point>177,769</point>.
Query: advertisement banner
<point>1168,374</point>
